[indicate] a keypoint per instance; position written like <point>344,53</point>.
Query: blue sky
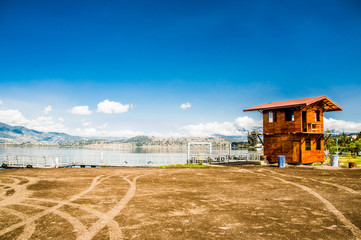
<point>147,58</point>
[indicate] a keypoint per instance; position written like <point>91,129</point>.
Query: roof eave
<point>275,107</point>
<point>314,100</point>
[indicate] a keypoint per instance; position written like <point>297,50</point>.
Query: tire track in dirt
<point>331,208</point>
<point>5,191</point>
<point>112,225</point>
<point>28,228</point>
<point>100,224</point>
<point>97,180</point>
<point>347,189</point>
<point>20,191</point>
<point>22,179</point>
<point>77,225</point>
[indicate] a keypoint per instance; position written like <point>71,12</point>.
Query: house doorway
<point>296,152</point>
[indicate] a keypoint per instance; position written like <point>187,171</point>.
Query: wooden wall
<point>293,147</point>
<point>283,126</point>
<point>313,155</point>
<point>287,137</point>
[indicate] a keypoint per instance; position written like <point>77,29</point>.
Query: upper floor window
<point>308,144</point>
<point>290,115</point>
<point>317,116</point>
<point>272,116</point>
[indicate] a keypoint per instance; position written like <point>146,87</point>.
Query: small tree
<point>343,140</point>
<point>358,146</point>
<point>329,138</point>
<point>359,135</point>
<point>252,139</point>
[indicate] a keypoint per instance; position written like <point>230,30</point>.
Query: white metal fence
<point>112,158</point>
<point>127,159</point>
<point>223,158</point>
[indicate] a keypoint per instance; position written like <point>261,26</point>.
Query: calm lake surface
<point>133,157</point>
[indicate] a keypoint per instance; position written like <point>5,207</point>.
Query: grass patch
<point>326,179</point>
<point>188,165</point>
<point>346,160</point>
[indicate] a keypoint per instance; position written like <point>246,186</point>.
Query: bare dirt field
<point>180,203</point>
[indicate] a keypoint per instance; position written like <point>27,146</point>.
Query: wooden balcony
<point>313,127</point>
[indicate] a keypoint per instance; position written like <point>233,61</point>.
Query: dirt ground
<point>249,202</point>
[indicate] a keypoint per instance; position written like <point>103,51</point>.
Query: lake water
<point>49,156</point>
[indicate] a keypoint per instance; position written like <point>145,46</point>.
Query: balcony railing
<point>313,127</point>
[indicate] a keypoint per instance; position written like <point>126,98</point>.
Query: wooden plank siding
<point>288,138</point>
<point>313,155</point>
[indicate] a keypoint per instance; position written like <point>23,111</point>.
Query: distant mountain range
<point>20,135</point>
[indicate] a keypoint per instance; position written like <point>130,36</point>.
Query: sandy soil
<point>249,202</point>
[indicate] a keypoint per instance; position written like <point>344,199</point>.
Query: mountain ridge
<point>20,135</point>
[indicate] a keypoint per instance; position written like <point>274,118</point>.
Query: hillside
<point>21,135</point>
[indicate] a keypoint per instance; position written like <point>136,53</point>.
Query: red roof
<point>328,104</point>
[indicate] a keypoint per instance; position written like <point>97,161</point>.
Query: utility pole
<point>336,146</point>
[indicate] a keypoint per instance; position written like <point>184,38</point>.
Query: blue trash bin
<point>334,161</point>
<point>281,161</point>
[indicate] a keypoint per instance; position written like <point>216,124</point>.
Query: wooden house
<point>295,129</point>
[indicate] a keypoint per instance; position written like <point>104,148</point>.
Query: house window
<point>318,144</point>
<point>317,116</point>
<point>270,116</point>
<point>290,116</point>
<point>308,144</point>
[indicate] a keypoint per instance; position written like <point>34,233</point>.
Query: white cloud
<point>185,106</point>
<point>1,102</point>
<point>47,109</point>
<point>61,119</point>
<point>247,123</point>
<point>123,133</point>
<point>92,132</point>
<point>80,110</point>
<point>86,132</point>
<point>239,127</point>
<point>85,124</point>
<point>211,128</point>
<point>112,107</point>
<point>45,124</point>
<point>341,126</point>
<point>103,126</point>
<point>12,117</point>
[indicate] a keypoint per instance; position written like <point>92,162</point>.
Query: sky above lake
<point>174,68</point>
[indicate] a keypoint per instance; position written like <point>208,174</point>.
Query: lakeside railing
<point>223,158</point>
<point>123,159</point>
<point>130,159</point>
